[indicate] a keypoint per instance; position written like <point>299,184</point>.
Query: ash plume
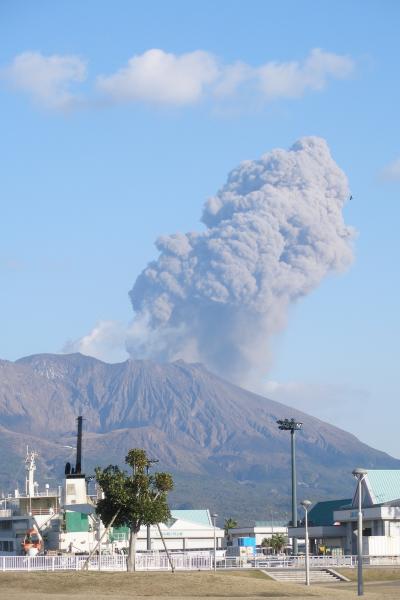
<point>272,233</point>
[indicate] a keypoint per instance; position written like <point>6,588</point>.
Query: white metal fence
<point>158,561</point>
<point>115,562</point>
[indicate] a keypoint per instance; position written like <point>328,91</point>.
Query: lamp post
<point>98,526</point>
<point>292,426</point>
<point>306,505</point>
<point>360,474</point>
<point>214,517</point>
<point>150,462</point>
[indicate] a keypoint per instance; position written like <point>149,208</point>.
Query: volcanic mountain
<point>220,442</point>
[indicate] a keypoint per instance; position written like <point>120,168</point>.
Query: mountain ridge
<point>204,429</point>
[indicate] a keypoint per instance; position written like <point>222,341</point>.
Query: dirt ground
<point>177,586</point>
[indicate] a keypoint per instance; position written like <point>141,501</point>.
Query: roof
<point>383,485</point>
<point>322,512</point>
<point>201,517</point>
<point>270,524</point>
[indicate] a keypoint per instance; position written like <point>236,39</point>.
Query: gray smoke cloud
<point>272,233</point>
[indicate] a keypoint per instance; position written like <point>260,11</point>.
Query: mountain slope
<point>220,441</point>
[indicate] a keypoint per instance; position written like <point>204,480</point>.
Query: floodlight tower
<point>292,425</point>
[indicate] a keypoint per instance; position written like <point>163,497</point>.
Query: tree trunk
<point>131,563</point>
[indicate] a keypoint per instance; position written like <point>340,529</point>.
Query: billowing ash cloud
<point>272,233</point>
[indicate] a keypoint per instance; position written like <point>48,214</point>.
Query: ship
<point>64,520</point>
<point>36,521</point>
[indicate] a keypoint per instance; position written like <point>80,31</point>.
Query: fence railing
<point>115,562</point>
<point>188,561</point>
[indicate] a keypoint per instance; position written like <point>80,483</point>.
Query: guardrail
<point>187,561</point>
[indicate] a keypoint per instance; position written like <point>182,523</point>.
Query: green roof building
<point>333,524</point>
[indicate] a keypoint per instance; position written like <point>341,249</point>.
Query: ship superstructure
<point>33,511</point>
<point>36,520</point>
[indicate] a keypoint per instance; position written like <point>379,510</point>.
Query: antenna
<point>30,471</point>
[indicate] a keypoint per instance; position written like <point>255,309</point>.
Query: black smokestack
<point>78,466</point>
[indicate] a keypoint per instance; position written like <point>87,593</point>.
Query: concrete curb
<point>269,575</point>
<point>338,575</point>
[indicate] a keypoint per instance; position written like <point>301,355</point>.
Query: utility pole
<point>292,426</point>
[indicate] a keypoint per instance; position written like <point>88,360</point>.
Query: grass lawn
<point>373,574</point>
<point>197,585</point>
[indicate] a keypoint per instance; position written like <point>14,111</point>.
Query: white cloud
<point>162,78</point>
<point>392,171</point>
<point>47,79</point>
<point>105,342</point>
<point>293,79</point>
<point>159,77</point>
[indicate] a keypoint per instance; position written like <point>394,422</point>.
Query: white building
<point>333,524</point>
<point>185,530</point>
<point>381,515</point>
<point>260,530</point>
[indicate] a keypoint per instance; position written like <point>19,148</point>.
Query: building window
<point>5,524</point>
<point>6,546</point>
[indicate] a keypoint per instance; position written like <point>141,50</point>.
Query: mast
<point>30,467</point>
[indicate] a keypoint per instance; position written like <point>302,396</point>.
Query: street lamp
<point>306,505</point>
<point>214,518</point>
<point>150,462</point>
<point>360,474</point>
<point>292,426</point>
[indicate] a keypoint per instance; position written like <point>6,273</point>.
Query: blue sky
<point>89,180</point>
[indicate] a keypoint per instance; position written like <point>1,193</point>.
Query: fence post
<point>4,563</point>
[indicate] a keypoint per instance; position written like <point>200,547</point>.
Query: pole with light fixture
<point>214,518</point>
<point>292,426</point>
<point>306,505</point>
<point>150,462</point>
<point>360,474</point>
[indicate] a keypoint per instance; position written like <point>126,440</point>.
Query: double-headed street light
<point>360,474</point>
<point>292,426</point>
<point>306,505</point>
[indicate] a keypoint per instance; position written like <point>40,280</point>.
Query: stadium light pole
<point>292,426</point>
<point>214,518</point>
<point>306,505</point>
<point>360,474</point>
